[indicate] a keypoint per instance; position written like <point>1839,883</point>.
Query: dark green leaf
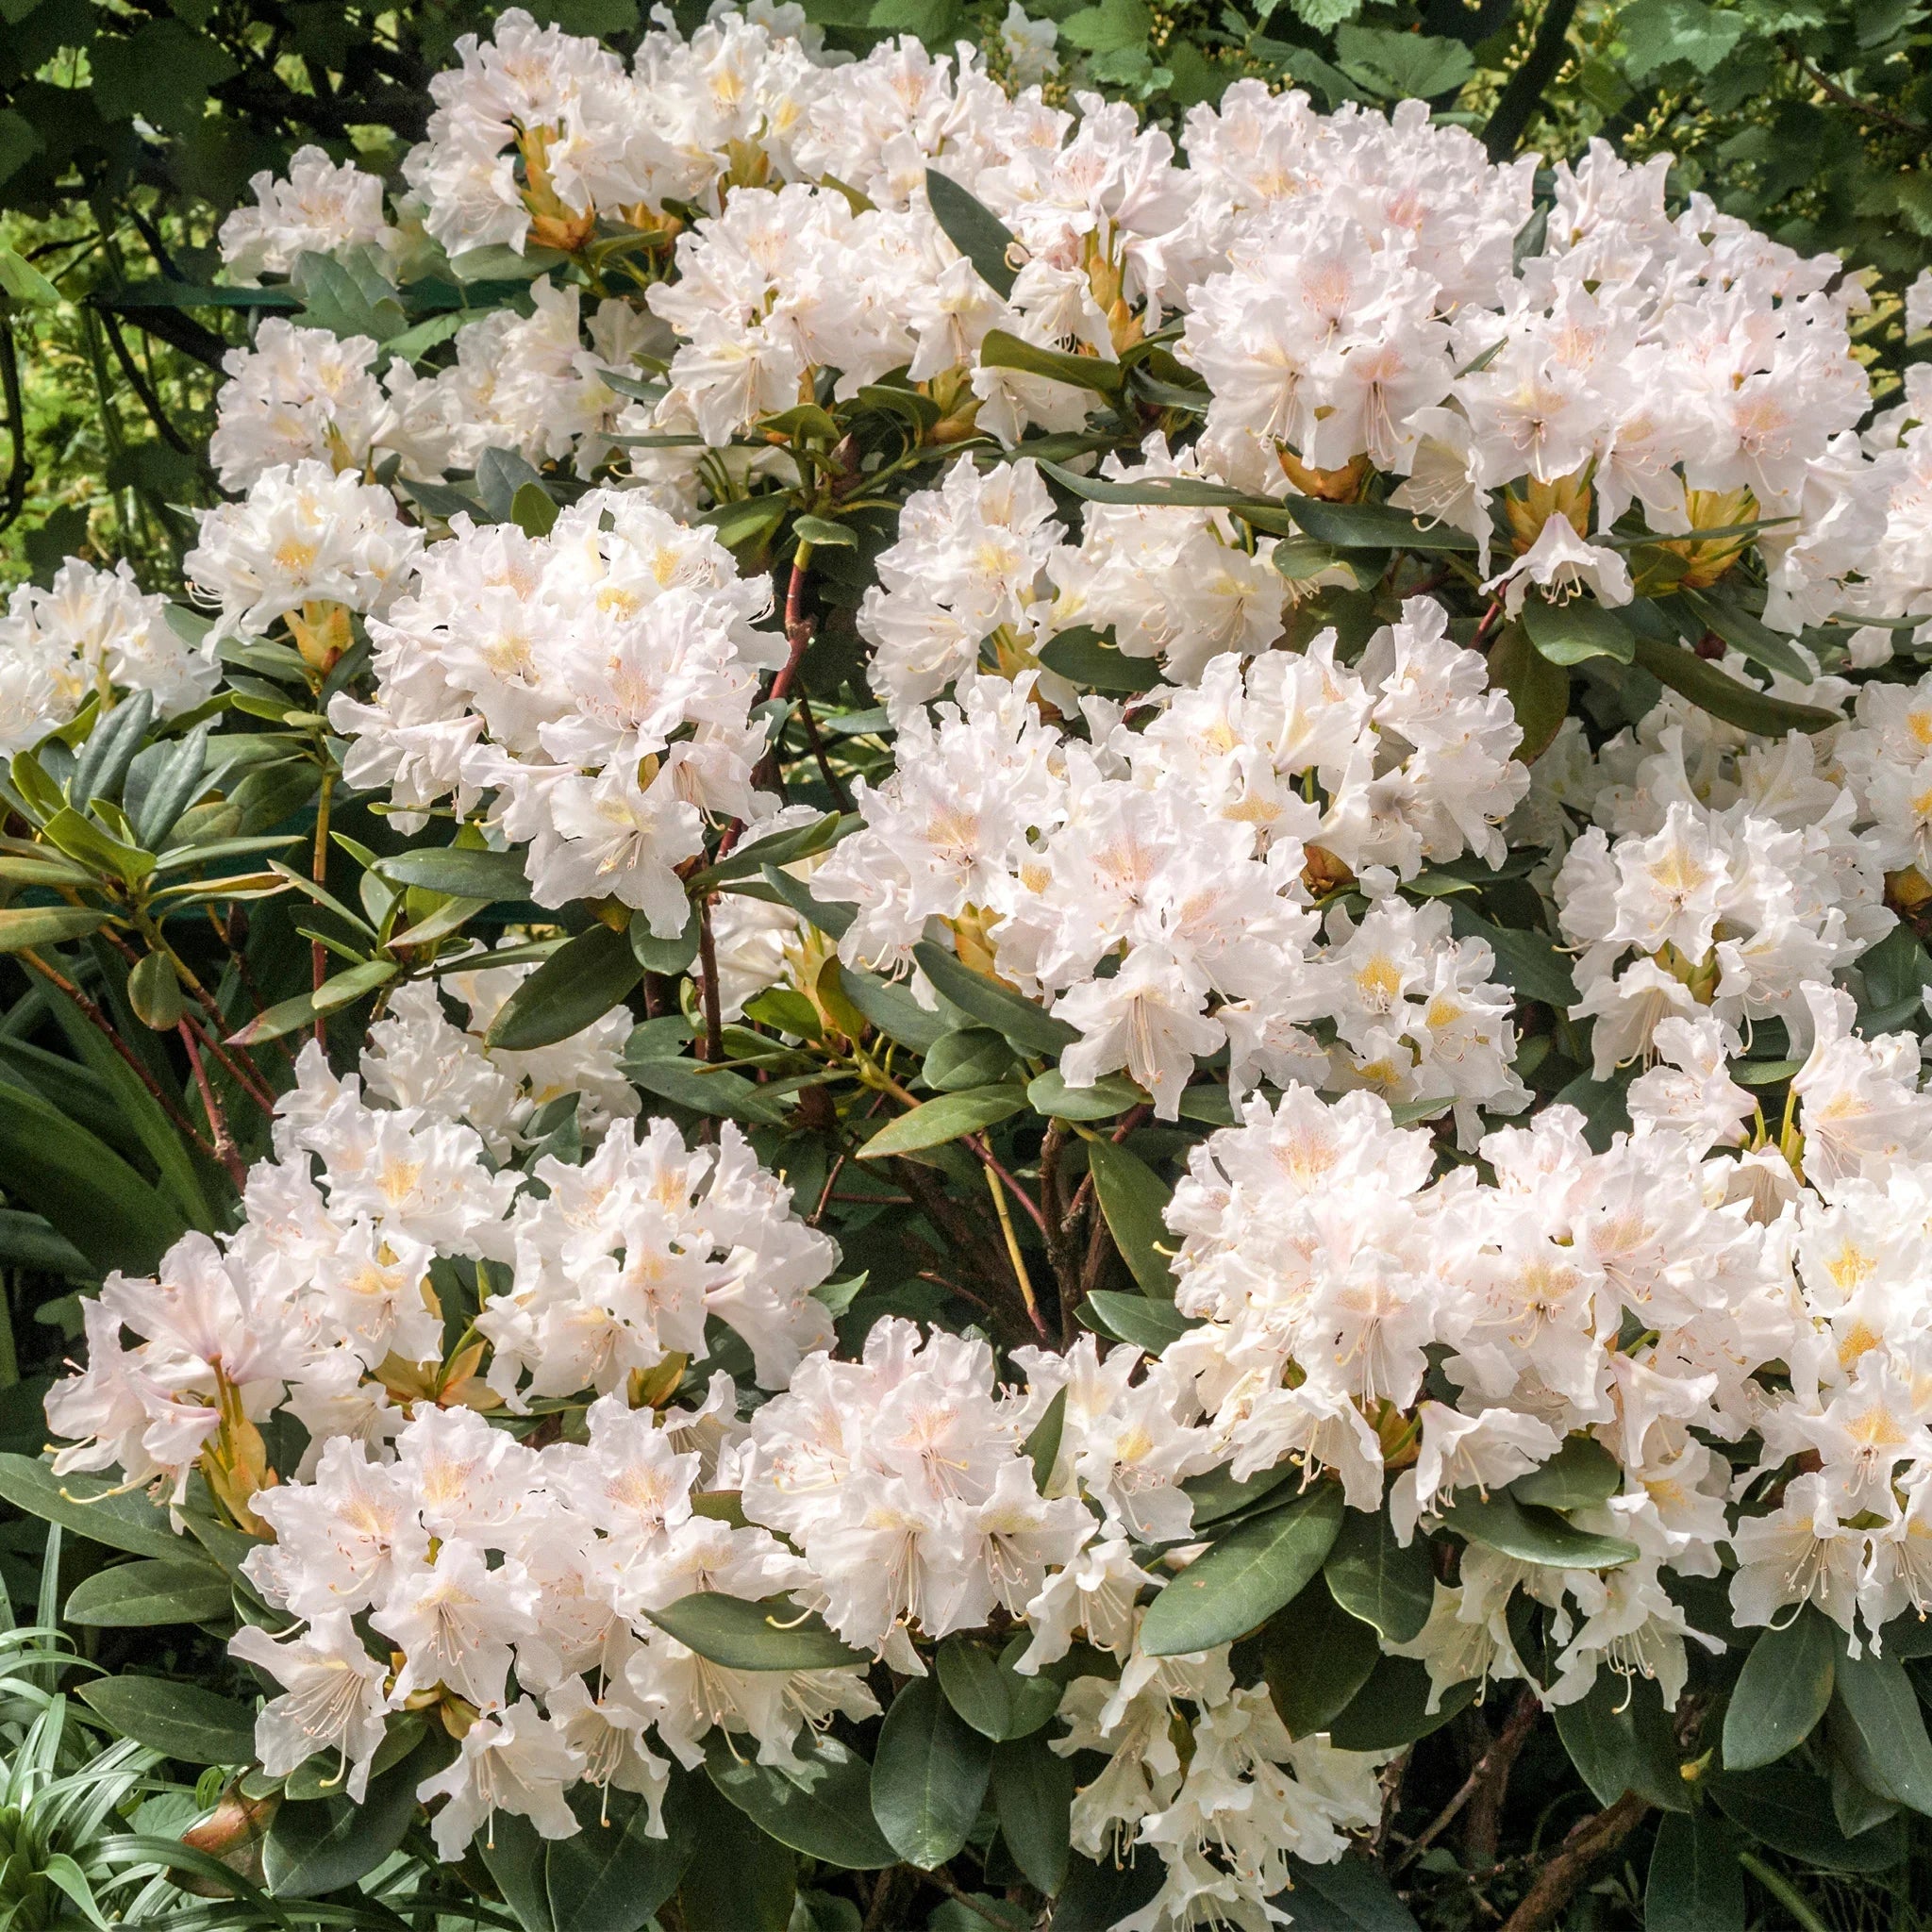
<point>1315,1657</point>
<point>1244,1577</point>
<point>935,1121</point>
<point>613,1875</point>
<point>974,229</point>
<point>573,989</point>
<point>1569,632</point>
<point>1216,1496</point>
<point>499,473</point>
<point>891,1007</point>
<point>666,956</point>
<point>1620,1739</point>
<point>1392,1709</point>
<point>1581,1473</point>
<point>93,1506</point>
<point>182,1721</point>
<point>820,1805</point>
<point>1695,1883</point>
<point>463,872</point>
<point>990,1694</point>
<point>101,766</point>
<point>973,1057</point>
<point>1727,697</point>
<point>1884,1712</point>
<point>1112,1094</point>
<point>1782,1691</point>
<point>747,1636</point>
<point>1537,690</point>
<point>776,848</point>
<point>150,1591</point>
<point>742,1880</point>
<point>1372,526</point>
<point>1033,1798</point>
<point>325,1844</point>
<point>829,916</point>
<point>1534,1535</point>
<point>1350,1895</point>
<point>1718,609</point>
<point>1143,1322</point>
<point>533,510</point>
<point>928,1775</point>
<point>1133,1198</point>
<point>1371,1576</point>
<point>1042,1446</point>
<point>1001,349</point>
<point>1082,657</point>
<point>24,928</point>
<point>718,1092</point>
<point>1790,1811</point>
<point>1031,1029</point>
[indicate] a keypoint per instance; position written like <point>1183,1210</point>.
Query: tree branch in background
<point>18,468</point>
<point>1522,93</point>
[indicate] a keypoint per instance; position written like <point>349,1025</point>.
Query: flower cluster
<point>92,632</point>
<point>1197,852</point>
<point>596,682</point>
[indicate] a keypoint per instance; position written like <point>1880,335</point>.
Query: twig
<point>1013,1254</point>
<point>989,1160</point>
<point>318,873</point>
<point>1870,109</point>
<point>1564,1873</point>
<point>834,784</point>
<point>1494,1763</point>
<point>224,1141</point>
<point>1522,93</point>
<point>714,1023</point>
<point>798,628</point>
<point>143,389</point>
<point>99,1020</point>
<point>945,1884</point>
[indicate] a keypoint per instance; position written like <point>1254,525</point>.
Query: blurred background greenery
<point>128,126</point>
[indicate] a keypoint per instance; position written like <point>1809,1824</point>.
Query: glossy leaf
<point>461,870</point>
<point>1134,1200</point>
<point>1695,1883</point>
<point>1532,1535</point>
<point>573,989</point>
<point>1112,1094</point>
<point>1145,1321</point>
<point>1887,1722</point>
<point>1082,657</point>
<point>1782,1691</point>
<point>935,1121</point>
<point>1581,1473</point>
<point>742,1635</point>
<point>1244,1577</point>
<point>613,1874</point>
<point>1029,1027</point>
<point>928,1775</point>
<point>820,1805</point>
<point>989,1693</point>
<point>1397,1705</point>
<point>1374,1578</point>
<point>93,1506</point>
<point>151,1591</point>
<point>1726,698</point>
<point>325,1844</point>
<point>1315,1657</point>
<point>972,1057</point>
<point>974,229</point>
<point>184,1722</point>
<point>1033,1798</point>
<point>1790,1811</point>
<point>1577,628</point>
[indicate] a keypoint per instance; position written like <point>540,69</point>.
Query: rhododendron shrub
<point>998,1017</point>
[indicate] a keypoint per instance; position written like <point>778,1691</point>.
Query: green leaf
<point>533,509</point>
<point>1581,1473</point>
<point>1569,632</point>
<point>744,1882</point>
<point>1790,1811</point>
<point>154,990</point>
<point>499,473</point>
<point>1656,33</point>
<point>322,1845</point>
<point>88,1193</point>
<point>1726,698</point>
<point>717,1092</point>
<point>1244,1577</point>
<point>1537,690</point>
<point>972,1057</point>
<point>336,298</point>
<point>1527,962</point>
<point>776,848</point>
<point>182,1721</point>
<point>1620,1739</point>
<point>1782,1691</point>
<point>1113,1093</point>
<point>1883,1709</point>
<point>820,1805</point>
<point>822,534</point>
<point>1110,27</point>
<point>1142,1321</point>
<point>974,229</point>
<point>573,989</point>
<point>1031,1029</point>
<point>1216,1496</point>
<point>1350,1895</point>
<point>1315,1657</point>
<point>92,1506</point>
<point>745,1635</point>
<point>829,916</point>
<point>1042,1447</point>
<point>101,769</point>
<point>1004,350</point>
<point>928,1777</point>
<point>1083,657</point>
<point>1133,1198</point>
<point>24,928</point>
<point>1717,610</point>
<point>340,990</point>
<point>934,1123</point>
<point>21,281</point>
<point>150,1591</point>
<point>1392,1708</point>
<point>1371,1576</point>
<point>1695,1882</point>
<point>892,1009</point>
<point>672,956</point>
<point>1403,66</point>
<point>1033,1798</point>
<point>1373,526</point>
<point>989,1693</point>
<point>161,72</point>
<point>613,1875</point>
<point>463,872</point>
<point>1174,492</point>
<point>1534,1535</point>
